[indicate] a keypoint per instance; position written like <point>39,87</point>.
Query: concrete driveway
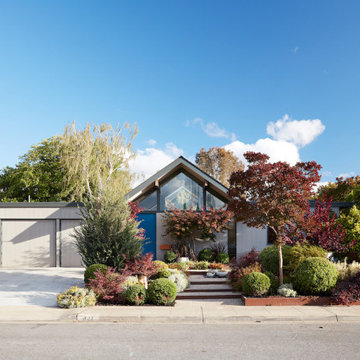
<point>37,286</point>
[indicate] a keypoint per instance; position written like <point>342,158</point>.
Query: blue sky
<point>191,74</point>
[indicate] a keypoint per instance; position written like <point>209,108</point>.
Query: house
<point>40,234</point>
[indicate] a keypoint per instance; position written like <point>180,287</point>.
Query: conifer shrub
<point>135,295</point>
<point>160,265</point>
<point>315,276</point>
<point>256,284</point>
<point>108,234</point>
<point>162,292</point>
<point>91,270</point>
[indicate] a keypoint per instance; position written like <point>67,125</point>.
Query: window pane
<point>182,193</point>
<point>213,202</point>
<point>149,202</point>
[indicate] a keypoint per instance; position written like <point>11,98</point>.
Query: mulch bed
<point>284,301</point>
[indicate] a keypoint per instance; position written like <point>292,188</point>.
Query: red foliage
<point>347,291</point>
<point>272,194</point>
<point>108,285</point>
<point>142,265</point>
<point>186,225</point>
<point>249,259</point>
<point>135,210</point>
<point>320,228</point>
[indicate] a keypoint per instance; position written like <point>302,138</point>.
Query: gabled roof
<point>179,163</point>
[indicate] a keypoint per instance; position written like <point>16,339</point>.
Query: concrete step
<point>209,288</point>
<point>208,295</point>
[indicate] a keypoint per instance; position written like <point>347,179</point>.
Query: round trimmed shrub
<point>91,270</point>
<point>160,265</point>
<point>269,258</point>
<point>315,276</point>
<point>162,292</point>
<point>170,256</point>
<point>135,295</point>
<point>205,255</point>
<point>162,274</point>
<point>222,258</point>
<point>297,254</point>
<point>256,284</point>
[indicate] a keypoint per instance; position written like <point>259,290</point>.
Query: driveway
<point>37,286</point>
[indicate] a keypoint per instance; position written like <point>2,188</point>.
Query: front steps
<point>205,288</point>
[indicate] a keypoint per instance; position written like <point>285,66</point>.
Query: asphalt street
<point>145,341</point>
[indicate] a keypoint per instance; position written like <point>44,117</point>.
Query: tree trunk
<point>281,271</point>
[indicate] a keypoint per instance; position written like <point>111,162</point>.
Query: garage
<point>37,235</point>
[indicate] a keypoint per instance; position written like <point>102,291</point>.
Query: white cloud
<point>346,175</point>
<point>295,49</point>
<point>211,129</point>
<point>278,150</point>
<point>152,142</point>
<point>147,162</point>
<point>298,132</point>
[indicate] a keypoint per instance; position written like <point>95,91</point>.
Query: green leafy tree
<point>347,189</point>
<point>219,163</point>
<point>39,175</point>
<point>351,224</point>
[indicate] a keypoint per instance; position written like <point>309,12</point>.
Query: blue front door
<point>148,223</point>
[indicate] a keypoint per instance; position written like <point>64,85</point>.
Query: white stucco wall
<point>161,239</point>
<point>248,238</point>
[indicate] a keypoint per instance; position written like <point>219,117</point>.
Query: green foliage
<point>256,284</point>
<point>201,265</point>
<point>91,270</point>
<point>222,258</point>
<point>160,265</point>
<point>135,295</point>
<point>274,282</point>
<point>162,292</point>
<point>108,235</point>
<point>351,225</point>
<point>315,276</point>
<point>269,258</point>
<point>170,256</point>
<point>39,174</point>
<point>162,274</point>
<point>298,253</point>
<point>75,298</point>
<point>205,255</point>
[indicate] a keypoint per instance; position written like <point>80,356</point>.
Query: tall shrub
<point>108,234</point>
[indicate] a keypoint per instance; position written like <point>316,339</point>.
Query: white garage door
<point>27,243</point>
<point>69,254</point>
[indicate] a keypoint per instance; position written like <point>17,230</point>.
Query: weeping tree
<point>97,158</point>
<point>274,195</point>
<point>97,163</point>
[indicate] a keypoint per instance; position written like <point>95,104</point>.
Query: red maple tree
<point>272,195</point>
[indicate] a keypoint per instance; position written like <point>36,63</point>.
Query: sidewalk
<point>184,312</point>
